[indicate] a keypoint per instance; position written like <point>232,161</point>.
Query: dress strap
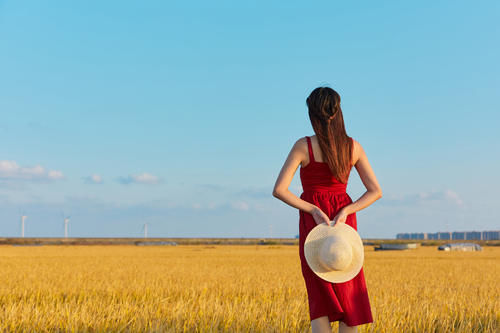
<point>309,146</point>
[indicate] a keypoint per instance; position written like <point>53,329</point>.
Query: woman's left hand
<point>339,218</point>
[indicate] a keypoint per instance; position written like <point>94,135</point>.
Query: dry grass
<point>234,288</point>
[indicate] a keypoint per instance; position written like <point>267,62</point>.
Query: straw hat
<point>335,253</point>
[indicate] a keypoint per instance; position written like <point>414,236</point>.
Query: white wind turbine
<point>23,218</point>
<point>145,229</point>
<point>66,221</point>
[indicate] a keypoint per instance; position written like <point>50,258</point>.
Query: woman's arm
<point>297,154</point>
<point>373,190</point>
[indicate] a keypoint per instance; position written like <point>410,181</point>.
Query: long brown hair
<point>328,124</point>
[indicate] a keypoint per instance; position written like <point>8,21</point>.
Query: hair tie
<point>333,115</point>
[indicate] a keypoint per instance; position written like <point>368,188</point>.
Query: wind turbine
<point>23,218</point>
<point>145,229</point>
<point>66,221</point>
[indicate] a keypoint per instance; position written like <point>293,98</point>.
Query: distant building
<point>460,247</point>
<point>444,235</point>
<point>147,243</point>
<point>385,246</point>
<point>432,236</point>
<point>490,235</point>
<point>455,235</point>
<point>473,235</point>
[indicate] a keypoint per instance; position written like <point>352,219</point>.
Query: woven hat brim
<point>314,242</point>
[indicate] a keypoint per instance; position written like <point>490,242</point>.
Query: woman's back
<point>316,174</point>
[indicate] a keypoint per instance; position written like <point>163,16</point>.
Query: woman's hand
<point>340,217</point>
<point>319,216</point>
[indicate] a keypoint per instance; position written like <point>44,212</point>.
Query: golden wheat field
<point>251,288</point>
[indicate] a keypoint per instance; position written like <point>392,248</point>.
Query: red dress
<point>346,301</point>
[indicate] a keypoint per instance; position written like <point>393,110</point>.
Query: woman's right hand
<point>319,216</point>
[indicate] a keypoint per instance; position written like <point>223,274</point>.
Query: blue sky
<point>180,115</point>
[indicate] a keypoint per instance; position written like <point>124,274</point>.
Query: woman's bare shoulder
<point>301,144</point>
<point>356,148</point>
<point>357,151</point>
<point>301,141</point>
<point>300,149</point>
<point>356,144</point>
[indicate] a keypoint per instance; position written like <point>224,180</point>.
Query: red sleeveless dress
<point>346,301</point>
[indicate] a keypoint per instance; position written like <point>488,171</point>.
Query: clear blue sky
<point>181,114</point>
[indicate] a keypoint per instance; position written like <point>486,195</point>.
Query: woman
<point>326,160</point>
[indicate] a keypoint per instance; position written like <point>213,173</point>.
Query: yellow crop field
<point>251,288</point>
